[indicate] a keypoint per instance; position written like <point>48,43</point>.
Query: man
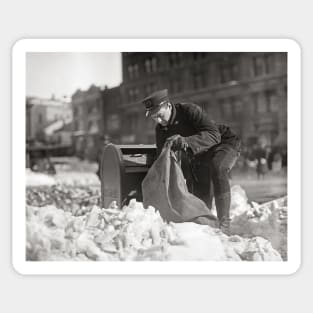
<point>209,150</point>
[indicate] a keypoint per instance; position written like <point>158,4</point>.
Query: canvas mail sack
<point>165,189</point>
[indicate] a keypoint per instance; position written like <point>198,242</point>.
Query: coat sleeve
<point>207,133</point>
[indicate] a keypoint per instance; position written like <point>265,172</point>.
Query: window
<point>154,64</point>
<point>151,65</point>
<point>133,71</point>
<point>199,80</point>
<point>148,66</point>
<point>176,85</point>
<point>198,56</point>
<point>136,70</point>
<point>130,95</point>
<point>225,108</point>
<point>269,61</point>
<point>271,101</point>
<point>113,122</point>
<point>258,66</point>
<point>130,71</point>
<point>75,110</point>
<point>133,94</point>
<point>89,107</point>
<point>263,64</point>
<point>236,104</point>
<point>175,59</point>
<point>228,72</point>
<point>40,118</point>
<point>259,102</point>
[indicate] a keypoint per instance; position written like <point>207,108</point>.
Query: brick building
<point>87,121</point>
<point>248,91</point>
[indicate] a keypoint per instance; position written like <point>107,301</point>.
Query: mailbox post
<point>123,168</point>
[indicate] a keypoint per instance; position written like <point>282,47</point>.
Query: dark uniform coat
<point>201,133</point>
<point>203,136</point>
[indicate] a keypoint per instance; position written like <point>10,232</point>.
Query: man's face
<point>162,116</point>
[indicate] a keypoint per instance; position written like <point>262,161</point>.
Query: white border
<point>155,268</point>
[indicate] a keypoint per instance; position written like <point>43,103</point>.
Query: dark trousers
<point>208,175</point>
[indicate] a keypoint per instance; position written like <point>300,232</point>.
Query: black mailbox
<point>123,168</point>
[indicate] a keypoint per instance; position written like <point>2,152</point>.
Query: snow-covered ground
<point>133,233</point>
<point>258,232</point>
<point>72,178</point>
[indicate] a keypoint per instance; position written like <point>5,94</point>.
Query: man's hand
<point>178,143</point>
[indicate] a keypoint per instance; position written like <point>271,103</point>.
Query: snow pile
<point>77,179</point>
<point>77,199</point>
<point>133,233</point>
<point>38,179</point>
<point>103,234</point>
<point>268,220</point>
<point>64,178</point>
<point>202,243</point>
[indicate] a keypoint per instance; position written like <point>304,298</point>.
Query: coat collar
<point>173,115</point>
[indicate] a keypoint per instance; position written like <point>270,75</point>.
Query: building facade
<point>248,91</point>
<point>40,113</point>
<point>112,118</point>
<point>87,121</point>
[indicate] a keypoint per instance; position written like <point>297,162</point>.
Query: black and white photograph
<point>158,157</point>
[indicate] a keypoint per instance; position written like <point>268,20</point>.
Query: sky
<point>62,74</point>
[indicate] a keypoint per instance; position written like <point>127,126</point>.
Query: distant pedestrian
<point>260,155</point>
<point>277,162</point>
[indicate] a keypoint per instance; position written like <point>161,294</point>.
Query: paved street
<point>274,185</point>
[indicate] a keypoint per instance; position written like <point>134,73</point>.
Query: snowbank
<point>38,179</point>
<point>65,178</point>
<point>133,233</point>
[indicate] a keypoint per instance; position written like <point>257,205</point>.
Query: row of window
<point>265,101</point>
<point>175,59</point>
<point>176,85</point>
<point>228,72</point>
<point>150,66</point>
<point>92,108</point>
<point>229,69</point>
<point>263,64</point>
<point>262,102</point>
<point>230,107</point>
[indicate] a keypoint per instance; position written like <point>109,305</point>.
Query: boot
<point>224,224</point>
<point>222,203</point>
